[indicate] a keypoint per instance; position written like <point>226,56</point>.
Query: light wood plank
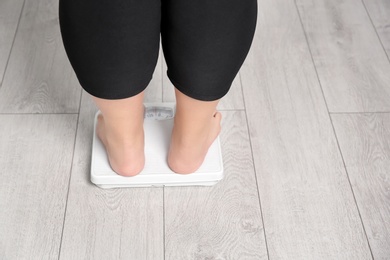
<point>123,223</point>
<point>9,17</point>
<point>222,221</point>
<point>365,144</point>
<point>379,12</point>
<point>39,78</point>
<point>35,160</point>
<point>352,66</point>
<point>308,207</point>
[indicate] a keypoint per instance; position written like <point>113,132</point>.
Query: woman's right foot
<point>190,142</point>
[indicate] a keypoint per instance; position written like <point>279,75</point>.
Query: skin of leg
<point>120,128</point>
<point>196,125</point>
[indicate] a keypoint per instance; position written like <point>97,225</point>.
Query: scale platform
<point>158,124</point>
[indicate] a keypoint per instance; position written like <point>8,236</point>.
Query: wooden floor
<point>305,141</point>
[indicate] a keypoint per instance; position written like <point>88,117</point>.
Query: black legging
<point>113,45</point>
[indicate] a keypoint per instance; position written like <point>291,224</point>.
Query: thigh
<point>205,42</point>
<point>112,45</point>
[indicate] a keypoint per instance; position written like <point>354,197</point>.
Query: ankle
<point>118,132</point>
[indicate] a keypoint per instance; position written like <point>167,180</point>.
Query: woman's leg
<point>196,126</point>
<point>120,128</point>
<point>205,42</point>
<point>113,47</point>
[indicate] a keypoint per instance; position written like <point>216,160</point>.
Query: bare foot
<point>125,153</point>
<point>188,149</point>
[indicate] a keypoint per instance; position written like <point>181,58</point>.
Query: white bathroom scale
<point>158,124</point>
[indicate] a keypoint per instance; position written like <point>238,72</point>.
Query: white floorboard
<point>305,130</point>
<point>365,143</point>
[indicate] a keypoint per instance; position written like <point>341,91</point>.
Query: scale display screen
<point>159,112</point>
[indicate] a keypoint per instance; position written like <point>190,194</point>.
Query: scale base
<point>156,172</point>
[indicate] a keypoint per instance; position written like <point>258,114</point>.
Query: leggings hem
<point>192,94</point>
<point>112,96</point>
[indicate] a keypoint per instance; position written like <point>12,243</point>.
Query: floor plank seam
<point>376,32</point>
<point>254,167</point>
<point>331,123</point>
<point>352,191</point>
<point>13,43</point>
<point>164,252</point>
<point>381,112</point>
<point>70,175</point>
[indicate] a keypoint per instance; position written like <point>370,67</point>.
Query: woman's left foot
<point>125,147</point>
